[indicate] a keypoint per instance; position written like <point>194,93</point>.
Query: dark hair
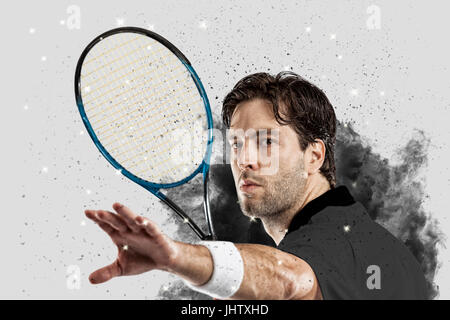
<point>308,110</point>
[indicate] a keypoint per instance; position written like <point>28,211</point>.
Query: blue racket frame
<point>155,188</point>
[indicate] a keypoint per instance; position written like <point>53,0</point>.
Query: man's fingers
<point>107,228</point>
<point>127,215</point>
<point>106,273</point>
<point>149,226</point>
<point>107,217</point>
<point>112,219</point>
<point>91,214</point>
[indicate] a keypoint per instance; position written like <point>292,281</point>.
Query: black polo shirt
<point>352,256</point>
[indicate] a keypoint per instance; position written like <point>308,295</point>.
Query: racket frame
<point>155,188</point>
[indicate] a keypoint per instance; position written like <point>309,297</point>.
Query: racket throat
<point>186,219</point>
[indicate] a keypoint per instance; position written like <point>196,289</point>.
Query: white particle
<point>252,219</point>
<point>308,29</point>
<point>151,27</point>
<point>87,89</point>
<point>354,184</point>
<point>43,58</point>
<point>81,132</point>
<point>62,22</point>
<point>185,220</point>
<point>32,30</point>
<point>339,57</point>
<point>44,169</point>
<point>25,107</point>
<point>287,68</point>
<point>346,228</point>
<point>280,262</point>
<point>145,222</point>
<point>382,93</point>
<point>332,36</point>
<point>83,223</point>
<point>120,21</point>
<point>202,24</point>
<point>88,191</point>
<point>354,92</point>
<point>345,125</point>
<point>125,247</point>
<point>127,81</point>
<point>118,171</point>
<point>149,47</point>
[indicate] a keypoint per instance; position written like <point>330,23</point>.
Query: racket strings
<point>115,65</point>
<point>117,70</point>
<point>165,97</point>
<point>117,104</point>
<point>115,120</point>
<point>99,56</point>
<point>160,121</point>
<point>134,88</point>
<point>115,89</point>
<point>141,94</point>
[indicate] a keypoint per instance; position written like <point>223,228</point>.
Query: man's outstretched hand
<point>142,246</point>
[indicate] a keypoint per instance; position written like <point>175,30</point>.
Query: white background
<point>388,82</point>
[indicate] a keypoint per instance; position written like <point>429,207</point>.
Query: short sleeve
<point>331,258</point>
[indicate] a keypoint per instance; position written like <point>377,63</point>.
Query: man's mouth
<point>248,186</point>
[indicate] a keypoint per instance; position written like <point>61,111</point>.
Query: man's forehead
<point>255,113</point>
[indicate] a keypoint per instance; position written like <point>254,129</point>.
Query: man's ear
<point>315,156</point>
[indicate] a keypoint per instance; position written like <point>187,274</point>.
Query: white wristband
<point>228,271</point>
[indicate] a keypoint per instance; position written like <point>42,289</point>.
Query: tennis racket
<point>147,112</point>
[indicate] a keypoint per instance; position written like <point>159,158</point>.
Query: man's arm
<point>269,273</point>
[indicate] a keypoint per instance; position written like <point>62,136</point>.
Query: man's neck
<point>277,226</point>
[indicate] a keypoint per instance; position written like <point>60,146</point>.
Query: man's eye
<point>236,145</point>
<point>267,142</point>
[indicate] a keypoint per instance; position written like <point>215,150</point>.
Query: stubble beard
<point>281,192</point>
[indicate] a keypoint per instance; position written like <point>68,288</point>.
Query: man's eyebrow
<point>257,129</point>
<point>257,132</point>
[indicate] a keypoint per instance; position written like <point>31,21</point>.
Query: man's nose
<point>248,156</point>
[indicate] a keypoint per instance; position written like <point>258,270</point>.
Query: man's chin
<point>249,205</point>
<point>248,198</point>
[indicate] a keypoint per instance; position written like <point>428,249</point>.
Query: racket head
<point>153,186</point>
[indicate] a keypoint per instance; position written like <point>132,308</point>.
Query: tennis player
<point>325,244</point>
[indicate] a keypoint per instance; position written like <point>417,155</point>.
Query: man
<point>327,247</point>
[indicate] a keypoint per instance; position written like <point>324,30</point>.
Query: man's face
<point>265,188</point>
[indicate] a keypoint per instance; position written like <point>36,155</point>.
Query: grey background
<point>52,171</point>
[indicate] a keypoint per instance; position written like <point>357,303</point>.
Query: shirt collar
<point>339,196</point>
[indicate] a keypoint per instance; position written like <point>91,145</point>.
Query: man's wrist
<point>228,270</point>
<point>191,262</point>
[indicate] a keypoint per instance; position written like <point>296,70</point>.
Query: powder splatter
<point>392,195</point>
